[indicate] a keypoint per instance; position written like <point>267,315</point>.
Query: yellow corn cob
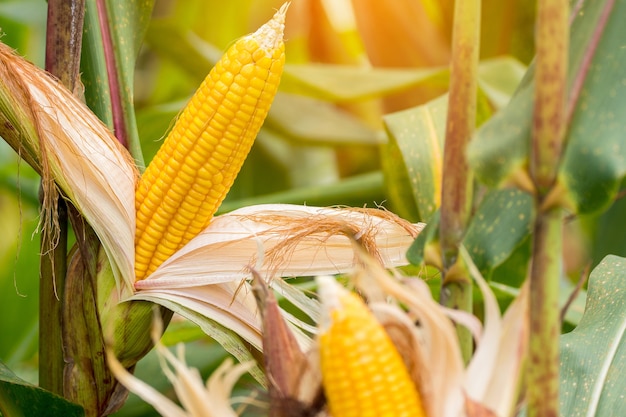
<point>362,372</point>
<point>189,177</point>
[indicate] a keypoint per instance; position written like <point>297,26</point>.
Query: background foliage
<point>359,121</point>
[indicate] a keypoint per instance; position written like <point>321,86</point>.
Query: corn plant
<point>492,129</point>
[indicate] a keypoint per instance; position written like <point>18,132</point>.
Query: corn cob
<point>362,372</point>
<point>189,177</point>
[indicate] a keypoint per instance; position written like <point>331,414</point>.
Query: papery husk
<point>205,281</point>
<point>283,240</point>
<point>17,124</point>
<point>294,377</point>
<point>196,398</point>
<point>494,375</point>
<point>424,335</point>
<point>222,323</point>
<point>71,149</point>
<point>501,395</point>
<point>229,304</point>
<point>476,409</point>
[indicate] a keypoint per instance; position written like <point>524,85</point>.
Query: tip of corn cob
<point>329,294</point>
<point>362,371</point>
<point>270,35</point>
<point>189,177</point>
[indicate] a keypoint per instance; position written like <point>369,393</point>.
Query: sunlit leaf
<point>169,40</point>
<point>397,184</point>
<point>418,134</point>
<point>357,191</point>
<point>415,157</point>
<point>389,35</point>
<point>507,28</point>
<point>498,79</point>
<point>219,22</point>
<point>318,122</point>
<point>348,83</point>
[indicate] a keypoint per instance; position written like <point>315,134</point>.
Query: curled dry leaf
<point>278,240</point>
<point>284,240</point>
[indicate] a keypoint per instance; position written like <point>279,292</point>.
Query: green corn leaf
<point>21,399</point>
<point>415,155</point>
<point>109,76</point>
<point>338,127</point>
<point>341,83</point>
<point>416,142</point>
<point>593,355</point>
<point>594,160</point>
<point>500,225</point>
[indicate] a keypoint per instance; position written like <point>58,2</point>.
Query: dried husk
<point>70,147</point>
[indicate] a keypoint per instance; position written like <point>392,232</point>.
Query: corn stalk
<point>548,138</point>
<point>457,181</point>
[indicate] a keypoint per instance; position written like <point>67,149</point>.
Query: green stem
<point>550,92</point>
<point>545,323</point>
<point>456,194</point>
<point>456,293</point>
<point>63,44</point>
<point>52,271</point>
<point>548,139</point>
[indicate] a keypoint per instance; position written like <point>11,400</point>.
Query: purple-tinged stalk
<point>457,180</point>
<point>548,141</point>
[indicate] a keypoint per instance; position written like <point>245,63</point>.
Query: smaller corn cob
<point>362,372</point>
<point>189,177</point>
